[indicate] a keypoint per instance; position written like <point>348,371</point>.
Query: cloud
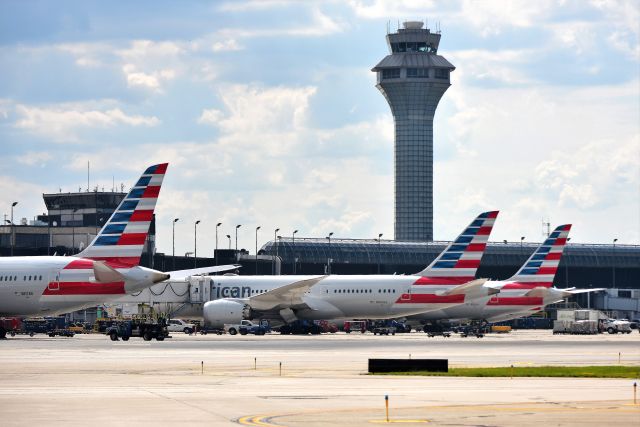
<point>226,46</point>
<point>320,25</point>
<point>210,117</point>
<point>149,81</point>
<point>32,158</point>
<point>58,122</point>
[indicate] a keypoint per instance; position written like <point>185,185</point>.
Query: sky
<point>268,114</point>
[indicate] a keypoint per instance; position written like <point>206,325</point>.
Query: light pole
<point>195,244</point>
<point>229,237</point>
<point>521,240</point>
<point>566,265</point>
<point>613,262</point>
<point>293,249</point>
<point>173,252</point>
<point>257,228</point>
<point>13,237</point>
<point>379,237</point>
<point>237,226</point>
<point>214,253</point>
<point>329,257</point>
<point>275,242</point>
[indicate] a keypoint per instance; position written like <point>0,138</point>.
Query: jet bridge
<point>173,298</point>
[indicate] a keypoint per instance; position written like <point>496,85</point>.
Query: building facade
<point>412,79</point>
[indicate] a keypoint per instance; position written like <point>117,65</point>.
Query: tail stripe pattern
<point>541,267</point>
<point>459,262</point>
<point>121,240</point>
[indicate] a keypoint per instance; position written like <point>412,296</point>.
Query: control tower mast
<point>413,79</point>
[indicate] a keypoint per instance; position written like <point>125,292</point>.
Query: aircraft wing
<point>183,274</point>
<point>286,296</point>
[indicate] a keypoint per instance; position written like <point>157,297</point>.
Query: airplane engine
<point>220,312</point>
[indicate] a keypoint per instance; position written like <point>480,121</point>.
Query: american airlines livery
<point>448,281</point>
<point>525,293</point>
<point>107,269</point>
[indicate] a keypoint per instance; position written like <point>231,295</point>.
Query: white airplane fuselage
<point>50,285</point>
<point>346,297</point>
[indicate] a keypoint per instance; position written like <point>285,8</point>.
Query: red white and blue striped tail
<point>121,240</point>
<point>459,262</point>
<point>541,267</point>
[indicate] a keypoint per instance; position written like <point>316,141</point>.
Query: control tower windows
<point>441,73</point>
<point>421,73</point>
<point>391,73</point>
<point>411,47</point>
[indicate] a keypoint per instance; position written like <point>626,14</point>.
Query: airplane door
<point>54,282</point>
<point>406,296</point>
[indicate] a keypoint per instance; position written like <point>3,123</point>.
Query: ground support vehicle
<point>144,329</point>
<point>247,327</point>
<point>383,327</point>
<point>52,326</point>
<point>477,329</point>
<point>578,327</point>
<point>436,329</point>
<point>617,326</point>
<point>300,327</point>
<point>179,325</point>
<point>10,325</point>
<point>355,326</point>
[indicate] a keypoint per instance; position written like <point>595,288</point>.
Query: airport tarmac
<point>230,380</point>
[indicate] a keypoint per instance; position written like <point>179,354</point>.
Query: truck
<point>145,329</point>
<point>614,326</point>
<point>179,325</point>
<point>246,327</point>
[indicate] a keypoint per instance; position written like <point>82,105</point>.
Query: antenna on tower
<point>546,227</point>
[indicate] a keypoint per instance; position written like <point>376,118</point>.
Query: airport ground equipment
<point>52,326</point>
<point>179,325</point>
<point>355,326</point>
<point>141,328</point>
<point>300,327</point>
<point>437,329</point>
<point>614,326</point>
<point>247,327</point>
<point>575,327</point>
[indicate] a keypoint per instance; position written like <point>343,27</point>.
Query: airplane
<point>526,292</point>
<point>106,269</point>
<point>448,281</point>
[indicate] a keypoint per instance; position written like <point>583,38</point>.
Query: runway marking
<point>258,421</point>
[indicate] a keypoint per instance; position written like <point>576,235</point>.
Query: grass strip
<point>534,371</point>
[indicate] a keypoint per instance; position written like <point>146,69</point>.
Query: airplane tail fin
<point>541,267</point>
<point>120,242</point>
<point>459,262</point>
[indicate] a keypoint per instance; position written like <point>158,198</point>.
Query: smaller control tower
<point>412,79</point>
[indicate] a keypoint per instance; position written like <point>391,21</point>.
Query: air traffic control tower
<point>412,80</point>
